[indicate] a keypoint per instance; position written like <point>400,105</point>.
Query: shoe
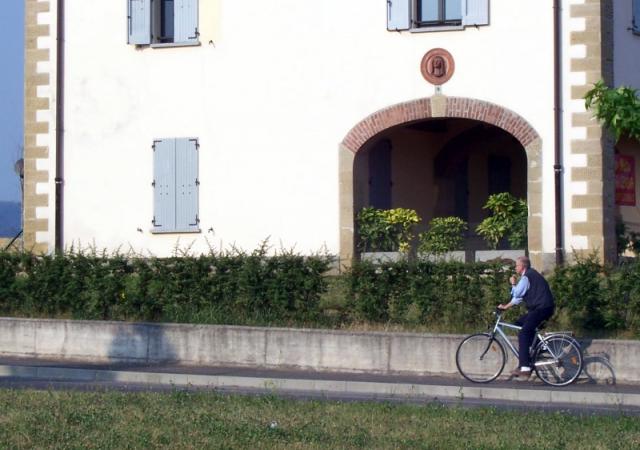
<point>519,373</point>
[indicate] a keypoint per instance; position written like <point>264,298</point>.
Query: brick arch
<point>441,107</point>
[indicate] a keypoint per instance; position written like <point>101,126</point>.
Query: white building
<point>225,122</point>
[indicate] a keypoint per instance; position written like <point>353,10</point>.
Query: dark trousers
<point>529,322</point>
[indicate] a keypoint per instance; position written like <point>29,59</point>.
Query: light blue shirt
<point>519,290</point>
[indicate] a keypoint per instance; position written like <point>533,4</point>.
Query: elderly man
<point>535,291</point>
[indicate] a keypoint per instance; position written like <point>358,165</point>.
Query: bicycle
<point>557,356</point>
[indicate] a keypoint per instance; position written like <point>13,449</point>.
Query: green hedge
<point>224,288</point>
<point>448,295</point>
<point>292,290</point>
<point>591,299</point>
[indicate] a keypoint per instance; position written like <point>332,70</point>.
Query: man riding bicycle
<point>535,291</point>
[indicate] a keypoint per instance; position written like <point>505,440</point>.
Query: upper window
<point>163,22</point>
<point>436,14</point>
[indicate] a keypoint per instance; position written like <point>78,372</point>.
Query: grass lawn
<point>115,420</point>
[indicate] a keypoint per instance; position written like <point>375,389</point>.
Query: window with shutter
<point>426,15</point>
<point>175,186</point>
<point>163,22</point>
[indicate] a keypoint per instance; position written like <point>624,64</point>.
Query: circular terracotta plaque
<point>437,66</point>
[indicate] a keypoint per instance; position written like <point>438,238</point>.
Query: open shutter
<point>186,21</point>
<point>139,22</point>
<point>398,15</point>
<point>636,17</point>
<point>186,184</point>
<point>475,12</point>
<point>164,185</point>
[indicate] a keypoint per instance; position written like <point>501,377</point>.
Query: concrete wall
<point>321,350</point>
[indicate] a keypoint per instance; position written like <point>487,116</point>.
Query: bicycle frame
<point>497,329</point>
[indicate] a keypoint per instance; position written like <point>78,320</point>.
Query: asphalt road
<point>582,397</point>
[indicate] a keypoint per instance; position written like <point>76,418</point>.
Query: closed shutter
<point>186,21</point>
<point>139,19</point>
<point>475,12</point>
<point>164,185</point>
<point>398,15</point>
<point>636,16</point>
<point>186,184</point>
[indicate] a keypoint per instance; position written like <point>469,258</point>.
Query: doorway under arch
<point>440,156</point>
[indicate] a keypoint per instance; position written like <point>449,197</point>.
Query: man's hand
<point>513,280</point>
<point>504,306</point>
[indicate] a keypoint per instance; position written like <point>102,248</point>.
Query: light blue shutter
<point>139,22</point>
<point>186,184</point>
<point>164,185</point>
<point>636,16</point>
<point>398,15</point>
<point>475,12</point>
<point>186,21</point>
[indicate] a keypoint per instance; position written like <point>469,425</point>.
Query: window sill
<point>175,44</point>
<point>436,28</point>
<point>177,231</point>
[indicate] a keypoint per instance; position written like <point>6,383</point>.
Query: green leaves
<point>508,219</point>
<point>386,230</point>
<point>217,288</point>
<point>450,295</point>
<point>445,234</point>
<point>617,108</point>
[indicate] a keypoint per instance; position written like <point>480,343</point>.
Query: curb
<point>539,397</point>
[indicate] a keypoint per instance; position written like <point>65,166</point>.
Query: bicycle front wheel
<point>558,360</point>
<point>480,358</point>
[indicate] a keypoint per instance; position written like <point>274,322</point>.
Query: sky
<point>11,96</point>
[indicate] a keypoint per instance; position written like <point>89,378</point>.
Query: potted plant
<point>508,219</point>
<point>385,234</point>
<point>444,239</point>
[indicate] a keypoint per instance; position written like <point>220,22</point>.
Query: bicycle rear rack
<point>555,333</point>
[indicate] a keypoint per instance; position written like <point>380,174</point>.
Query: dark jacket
<point>539,294</point>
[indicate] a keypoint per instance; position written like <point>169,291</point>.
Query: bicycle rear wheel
<point>558,360</point>
<point>480,358</point>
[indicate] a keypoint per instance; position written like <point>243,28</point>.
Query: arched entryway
<point>456,133</point>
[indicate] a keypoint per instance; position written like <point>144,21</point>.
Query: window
<point>636,17</point>
<point>175,186</point>
<point>436,14</point>
<point>163,22</point>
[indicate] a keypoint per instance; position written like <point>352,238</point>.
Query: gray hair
<point>525,261</point>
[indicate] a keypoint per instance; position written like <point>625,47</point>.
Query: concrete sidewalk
<point>401,387</point>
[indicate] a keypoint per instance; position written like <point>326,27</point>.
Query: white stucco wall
<point>270,93</point>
